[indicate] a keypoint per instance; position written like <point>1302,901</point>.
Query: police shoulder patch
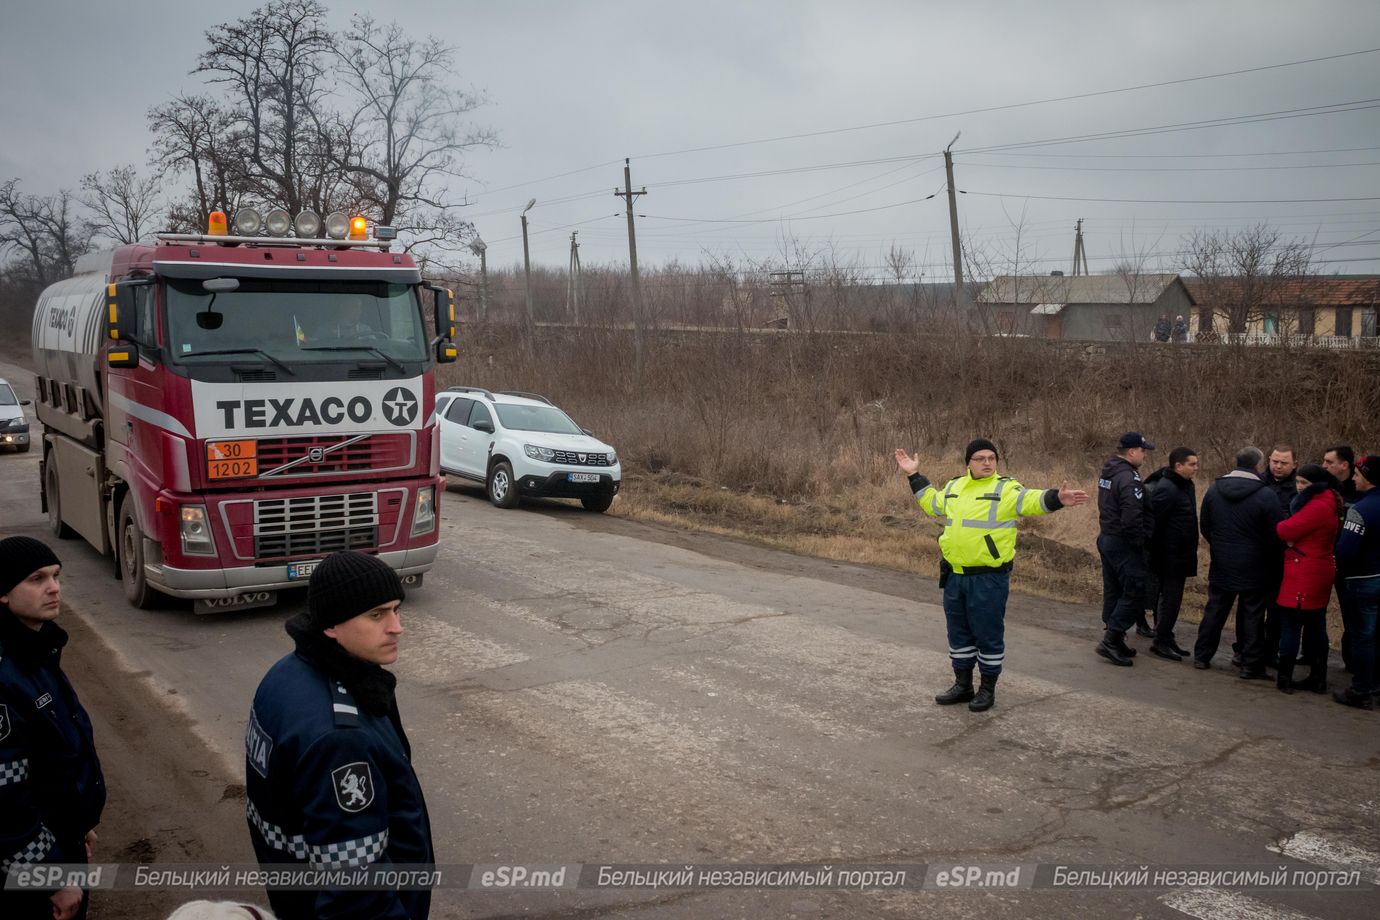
<point>354,786</point>
<point>258,745</point>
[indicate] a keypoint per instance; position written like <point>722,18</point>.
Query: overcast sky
<point>575,87</point>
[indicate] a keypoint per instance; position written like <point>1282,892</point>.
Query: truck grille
<point>590,459</point>
<point>326,454</point>
<point>315,525</point>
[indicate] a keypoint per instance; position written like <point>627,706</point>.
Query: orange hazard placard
<point>231,459</point>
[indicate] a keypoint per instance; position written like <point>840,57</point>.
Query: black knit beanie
<point>979,444</point>
<point>20,557</point>
<point>1314,473</point>
<point>347,584</point>
<point>1369,467</point>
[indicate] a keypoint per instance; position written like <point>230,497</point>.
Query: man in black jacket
<point>1125,525</point>
<point>51,788</point>
<point>1279,479</point>
<point>1238,521</point>
<point>1340,461</point>
<point>1173,544</point>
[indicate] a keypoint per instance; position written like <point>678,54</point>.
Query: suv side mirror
<point>587,431</point>
<point>484,424</point>
<point>26,402</point>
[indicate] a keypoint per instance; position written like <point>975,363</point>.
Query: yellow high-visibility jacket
<point>979,517</point>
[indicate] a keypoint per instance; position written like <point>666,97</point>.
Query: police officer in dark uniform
<point>51,788</point>
<point>328,770</point>
<point>1125,527</point>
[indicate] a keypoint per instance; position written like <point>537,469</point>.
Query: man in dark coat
<point>52,792</point>
<point>328,768</point>
<point>1124,527</point>
<point>1173,544</point>
<point>1282,465</point>
<point>1238,521</point>
<point>1340,461</point>
<point>1358,563</point>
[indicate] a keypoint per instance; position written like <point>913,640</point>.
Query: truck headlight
<point>544,454</point>
<point>424,514</point>
<point>196,531</point>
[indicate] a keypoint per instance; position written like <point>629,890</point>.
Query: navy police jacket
<point>51,788</point>
<point>332,786</point>
<point>1122,510</point>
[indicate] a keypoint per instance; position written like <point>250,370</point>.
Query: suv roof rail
<point>480,390</point>
<point>525,395</point>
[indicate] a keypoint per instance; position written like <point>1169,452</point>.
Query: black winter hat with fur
<point>347,584</point>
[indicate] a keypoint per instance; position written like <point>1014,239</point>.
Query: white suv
<point>520,446</point>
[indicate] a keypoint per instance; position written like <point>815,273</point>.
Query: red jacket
<point>1309,567</point>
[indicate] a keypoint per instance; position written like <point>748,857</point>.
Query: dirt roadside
<point>169,800</point>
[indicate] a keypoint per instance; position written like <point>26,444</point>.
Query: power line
<point>1178,156</point>
<point>1173,200</point>
<point>970,164</point>
<point>772,220</point>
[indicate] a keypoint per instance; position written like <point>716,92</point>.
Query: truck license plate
<point>238,602</point>
<point>299,570</point>
<point>584,477</point>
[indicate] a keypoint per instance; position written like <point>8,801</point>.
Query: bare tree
<point>194,135</point>
<point>44,230</point>
<point>404,137</point>
<point>273,65</point>
<point>1247,274</point>
<point>123,206</point>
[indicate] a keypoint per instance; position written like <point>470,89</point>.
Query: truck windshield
<point>535,418</point>
<point>296,321</point>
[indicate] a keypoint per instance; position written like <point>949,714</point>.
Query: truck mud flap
<point>237,602</point>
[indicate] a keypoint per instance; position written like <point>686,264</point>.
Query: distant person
<point>52,791</point>
<point>1162,328</point>
<point>1125,525</point>
<point>1173,545</point>
<point>1180,332</point>
<point>1340,461</point>
<point>1279,478</point>
<point>1238,521</point>
<point>978,545</point>
<point>1309,534</point>
<point>328,768</point>
<point>1358,563</point>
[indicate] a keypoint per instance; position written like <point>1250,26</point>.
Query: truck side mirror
<point>122,321</point>
<point>443,306</point>
<point>446,352</point>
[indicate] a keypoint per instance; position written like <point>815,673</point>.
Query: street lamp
<point>479,247</point>
<point>527,264</point>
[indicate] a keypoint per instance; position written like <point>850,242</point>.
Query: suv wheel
<point>597,503</point>
<point>502,488</point>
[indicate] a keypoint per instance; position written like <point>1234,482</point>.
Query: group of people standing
<point>1282,537</point>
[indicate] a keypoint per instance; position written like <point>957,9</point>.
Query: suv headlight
<point>196,531</point>
<point>545,454</point>
<point>613,458</point>
<point>424,514</point>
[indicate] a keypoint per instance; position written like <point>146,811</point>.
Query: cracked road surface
<point>582,689</point>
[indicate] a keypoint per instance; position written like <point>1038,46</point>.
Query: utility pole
<point>479,248</point>
<point>628,195</point>
<point>572,287</point>
<point>960,295</point>
<point>1079,255</point>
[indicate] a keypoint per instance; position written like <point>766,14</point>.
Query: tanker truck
<point>221,411</point>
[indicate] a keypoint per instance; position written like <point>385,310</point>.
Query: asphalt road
<point>582,689</point>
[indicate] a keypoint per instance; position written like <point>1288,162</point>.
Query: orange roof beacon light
<point>359,228</point>
<point>215,224</point>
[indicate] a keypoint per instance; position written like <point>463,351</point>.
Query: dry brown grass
<point>786,439</point>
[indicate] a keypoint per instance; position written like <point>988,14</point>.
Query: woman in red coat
<point>1309,534</point>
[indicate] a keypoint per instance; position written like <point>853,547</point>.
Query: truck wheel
<point>55,525</point>
<point>502,489</point>
<point>131,537</point>
<point>597,503</point>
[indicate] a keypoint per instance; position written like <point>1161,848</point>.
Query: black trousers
<point>1167,604</point>
<point>1125,582</point>
<point>1250,624</point>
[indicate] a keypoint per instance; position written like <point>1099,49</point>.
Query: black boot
<point>986,695</point>
<point>1125,649</point>
<point>1284,680</point>
<point>960,692</point>
<point>1349,697</point>
<point>1111,648</point>
<point>1143,627</point>
<point>1165,650</point>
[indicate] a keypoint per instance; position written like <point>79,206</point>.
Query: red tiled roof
<point>1332,292</point>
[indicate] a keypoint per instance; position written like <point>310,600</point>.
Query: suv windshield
<point>536,418</point>
<point>296,321</point>
<point>7,396</point>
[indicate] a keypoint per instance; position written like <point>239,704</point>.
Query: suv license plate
<point>584,477</point>
<point>300,570</point>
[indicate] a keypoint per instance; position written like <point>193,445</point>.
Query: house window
<point>1111,322</point>
<point>1205,319</point>
<point>1368,323</point>
<point>1270,323</point>
<point>1343,327</point>
<point>1307,321</point>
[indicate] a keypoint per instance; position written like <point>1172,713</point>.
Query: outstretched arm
<point>908,464</point>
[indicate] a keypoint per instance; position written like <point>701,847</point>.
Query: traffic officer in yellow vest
<point>979,511</point>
